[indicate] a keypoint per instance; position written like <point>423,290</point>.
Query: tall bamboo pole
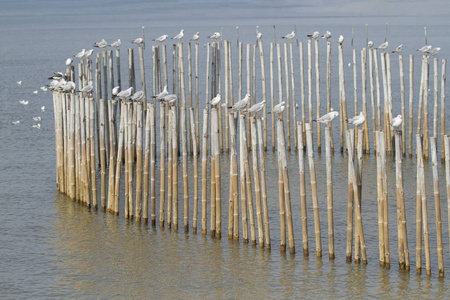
<point>301,166</point>
<point>195,150</point>
<point>162,179</point>
<point>380,202</point>
<point>329,193</point>
<point>256,180</point>
<point>263,87</point>
<point>443,76</point>
<point>120,152</point>
<point>175,167</point>
<point>152,112</point>
<point>204,169</point>
<point>402,100</point>
<point>242,150</point>
<point>184,147</point>
<point>281,200</point>
<point>272,95</point>
<point>288,99</point>
<point>411,98</point>
<point>447,174</point>
<point>350,147</point>
<point>234,171</point>
<point>216,152</point>
<point>342,99</point>
<point>263,183</point>
<point>139,126</point>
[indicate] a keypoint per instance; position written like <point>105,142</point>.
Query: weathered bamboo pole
<point>447,174</point>
<point>227,130</point>
<point>240,46</point>
<point>350,201</point>
<point>175,167</point>
<point>184,144</point>
<point>71,160</point>
<point>263,87</point>
<point>294,103</point>
<point>119,157</point>
<point>234,201</point>
<point>190,95</point>
<point>355,87</point>
<point>197,126</point>
<point>98,96</point>
<point>411,98</point>
<point>372,99</point>
<point>195,151</point>
<point>112,156</point>
<point>443,76</point>
<point>435,94</point>
<point>263,183</point>
<point>419,206</point>
<point>152,112</point>
<point>233,173</point>
<point>216,152</point>
<point>257,185</point>
<point>310,87</point>
<point>301,165</point>
<point>130,162</point>
<point>144,88</point>
<point>119,79</point>
<point>377,81</point>
<point>213,178</point>
<point>126,145</point>
<point>385,200</point>
<point>357,187</point>
<point>425,111</point>
<point>385,97</point>
<point>169,166</point>
<point>329,193</point>
<point>388,106</point>
<point>272,95</point>
<point>139,126</point>
<point>315,201</point>
<point>204,169</point>
<point>318,110</point>
<point>380,202</point>
<point>328,80</point>
<point>366,143</point>
<point>102,154</point>
<point>421,92</point>
<point>280,77</point>
<point>162,145</point>
<point>243,150</point>
<point>342,99</point>
<point>437,205</point>
<point>288,99</point>
<point>402,100</point>
<point>282,205</point>
<point>249,103</point>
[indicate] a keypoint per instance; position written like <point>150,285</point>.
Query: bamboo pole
<point>197,126</point>
<point>350,201</point>
<point>242,150</point>
<point>130,162</point>
<point>175,167</point>
<point>263,183</point>
<point>216,152</point>
<point>437,205</point>
<point>213,178</point>
<point>402,100</point>
<point>280,76</point>
<point>318,110</point>
<point>195,151</point>
<point>329,193</point>
<point>119,157</point>
<point>282,204</point>
<point>204,168</point>
<point>184,144</point>
<point>435,94</point>
<point>366,143</point>
<point>102,154</point>
<point>169,166</point>
<point>377,81</point>
<point>342,99</point>
<point>328,79</point>
<point>139,125</point>
<point>315,201</point>
<point>240,69</point>
<point>112,156</point>
<point>152,112</point>
<point>234,201</point>
<point>310,87</point>
<point>421,92</point>
<point>372,99</point>
<point>411,98</point>
<point>144,88</point>
<point>162,145</point>
<point>380,202</point>
<point>263,87</point>
<point>190,95</point>
<point>272,95</point>
<point>425,111</point>
<point>227,130</point>
<point>126,145</point>
<point>447,174</point>
<point>294,103</point>
<point>443,76</point>
<point>257,185</point>
<point>301,165</point>
<point>385,200</point>
<point>119,79</point>
<point>233,172</point>
<point>288,100</point>
<point>248,92</point>
<point>419,206</point>
<point>71,160</point>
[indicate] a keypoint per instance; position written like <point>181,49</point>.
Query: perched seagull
<point>35,92</point>
<point>162,94</point>
<point>36,119</point>
<point>241,104</point>
<point>115,90</point>
<point>68,86</point>
<point>214,101</point>
<point>19,82</point>
<point>327,117</point>
<point>259,35</point>
<point>69,61</point>
<point>169,99</point>
<point>38,126</point>
<point>256,107</point>
<point>137,41</point>
<point>425,48</point>
<point>23,102</point>
<point>398,49</point>
<point>383,46</point>
<point>57,75</point>
<point>15,122</point>
<point>397,121</point>
<point>137,96</point>
<point>116,44</point>
<point>289,36</point>
<point>215,36</point>
<point>88,53</point>
<point>125,94</point>
<point>279,108</point>
<point>327,35</point>
<point>341,39</point>
<point>79,54</point>
<point>43,88</point>
<point>370,44</point>
<point>434,51</point>
<point>101,44</point>
<point>357,120</point>
<point>161,38</point>
<point>179,36</point>
<point>314,36</point>
<point>196,37</point>
<point>43,108</point>
<point>87,88</point>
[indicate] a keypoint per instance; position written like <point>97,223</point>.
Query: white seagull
<point>397,121</point>
<point>35,92</point>
<point>19,82</point>
<point>383,46</point>
<point>169,99</point>
<point>398,49</point>
<point>256,107</point>
<point>241,104</point>
<point>341,39</point>
<point>279,108</point>
<point>115,90</point>
<point>196,37</point>
<point>327,35</point>
<point>36,119</point>
<point>23,102</point>
<point>87,88</point>
<point>15,122</point>
<point>162,94</point>
<point>43,108</point>
<point>88,53</point>
<point>116,44</point>
<point>259,35</point>
<point>370,44</point>
<point>68,86</point>
<point>38,126</point>
<point>214,101</point>
<point>434,51</point>
<point>314,36</point>
<point>137,96</point>
<point>79,54</point>
<point>137,41</point>
<point>179,36</point>
<point>125,94</point>
<point>357,120</point>
<point>327,117</point>
<point>289,36</point>
<point>215,36</point>
<point>69,61</point>
<point>425,48</point>
<point>161,38</point>
<point>101,44</point>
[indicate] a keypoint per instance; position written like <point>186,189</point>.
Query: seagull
<point>124,94</point>
<point>115,90</point>
<point>162,94</point>
<point>79,54</point>
<point>425,48</point>
<point>241,104</point>
<point>101,44</point>
<point>43,88</point>
<point>383,46</point>
<point>196,37</point>
<point>169,99</point>
<point>23,102</point>
<point>314,36</point>
<point>88,53</point>
<point>214,101</point>
<point>398,49</point>
<point>137,41</point>
<point>43,108</point>
<point>35,92</point>
<point>357,120</point>
<point>137,96</point>
<point>327,117</point>
<point>68,86</point>
<point>256,107</point>
<point>341,39</point>
<point>397,121</point>
<point>370,44</point>
<point>279,108</point>
<point>434,51</point>
<point>87,88</point>
<point>37,119</point>
<point>19,82</point>
<point>161,38</point>
<point>259,35</point>
<point>215,36</point>
<point>116,44</point>
<point>179,36</point>
<point>15,122</point>
<point>38,126</point>
<point>57,75</point>
<point>327,35</point>
<point>69,61</point>
<point>289,36</point>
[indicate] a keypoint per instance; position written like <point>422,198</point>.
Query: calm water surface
<point>53,248</point>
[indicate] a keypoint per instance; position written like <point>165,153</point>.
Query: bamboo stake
<point>102,154</point>
<point>282,204</point>
<point>126,145</point>
<point>112,157</point>
<point>175,167</point>
<point>443,75</point>
<point>280,76</point>
<point>196,96</point>
<point>402,99</point>
<point>301,165</point>
<point>377,80</point>
<point>216,152</point>
<point>144,88</point>
<point>318,113</point>
<point>204,170</point>
<point>328,78</point>
<point>385,200</point>
<point>425,110</point>
<point>119,157</point>
<point>447,174</point>
<point>242,150</point>
<point>248,92</point>
<point>435,93</point>
<point>372,99</point>
<point>272,95</point>
<point>257,186</point>
<point>388,105</point>
<point>232,174</point>
<point>263,183</point>
<point>302,90</point>
<point>419,206</point>
<point>421,93</point>
<point>190,95</point>
<point>240,69</point>
<point>380,202</point>
<point>437,205</point>
<point>195,151</point>
<point>312,171</point>
<point>350,147</point>
<point>162,145</point>
<point>139,125</point>
<point>130,162</point>
<point>184,143</point>
<point>71,160</point>
<point>294,103</point>
<point>152,112</point>
<point>227,141</point>
<point>234,198</point>
<point>310,86</point>
<point>329,193</point>
<point>169,167</point>
<point>288,101</point>
<point>411,97</point>
<point>213,178</point>
<point>263,87</point>
<point>364,99</point>
<point>342,99</point>
<point>403,250</point>
<point>358,189</point>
